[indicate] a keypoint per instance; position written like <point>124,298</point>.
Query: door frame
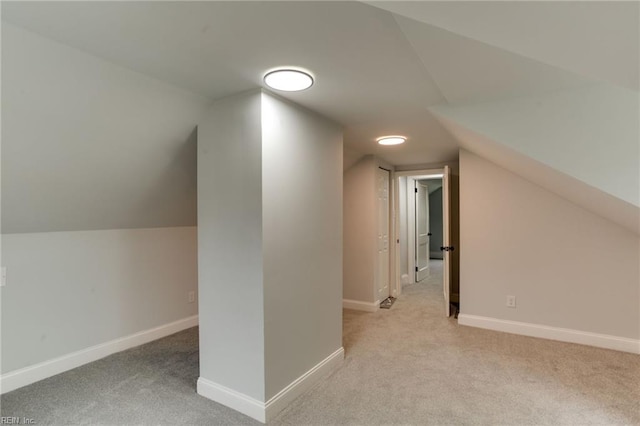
<point>390,247</point>
<point>410,175</point>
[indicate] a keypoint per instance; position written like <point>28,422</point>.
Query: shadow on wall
<point>172,195</point>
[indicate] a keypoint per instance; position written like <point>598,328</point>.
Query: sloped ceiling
<point>469,71</point>
<point>598,39</point>
<point>548,90</point>
<point>436,72</point>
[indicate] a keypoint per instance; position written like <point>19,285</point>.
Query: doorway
<point>416,230</point>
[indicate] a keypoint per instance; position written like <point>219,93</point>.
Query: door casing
<point>413,175</point>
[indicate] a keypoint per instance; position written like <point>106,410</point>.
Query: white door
<point>422,230</point>
<point>383,234</point>
<point>446,238</point>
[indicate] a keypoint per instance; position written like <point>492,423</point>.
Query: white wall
<point>87,144</point>
<point>230,252</point>
<point>568,268</point>
<point>68,291</point>
<point>360,229</point>
<point>270,251</point>
<point>302,240</point>
<point>90,148</point>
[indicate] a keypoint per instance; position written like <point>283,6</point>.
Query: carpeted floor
<point>407,365</point>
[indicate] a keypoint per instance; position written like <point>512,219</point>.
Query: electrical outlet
<point>511,301</point>
<point>191,296</point>
<point>3,276</point>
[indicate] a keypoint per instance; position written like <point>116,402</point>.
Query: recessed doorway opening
<point>423,229</point>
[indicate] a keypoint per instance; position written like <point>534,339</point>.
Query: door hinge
<point>416,189</point>
<point>416,269</point>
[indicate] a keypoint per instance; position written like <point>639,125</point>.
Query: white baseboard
<point>299,386</point>
<point>33,373</point>
<point>265,411</point>
<point>361,306</point>
<point>238,401</point>
<point>606,341</point>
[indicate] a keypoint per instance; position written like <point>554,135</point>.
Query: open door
<point>446,239</point>
<point>422,230</point>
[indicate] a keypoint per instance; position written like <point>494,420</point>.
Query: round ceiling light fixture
<point>288,79</point>
<point>391,140</point>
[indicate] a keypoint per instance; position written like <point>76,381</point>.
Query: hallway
<point>411,365</point>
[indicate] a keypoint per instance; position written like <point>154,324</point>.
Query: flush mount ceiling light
<point>288,79</point>
<point>391,140</point>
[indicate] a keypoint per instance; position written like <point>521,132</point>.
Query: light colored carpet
<point>408,365</point>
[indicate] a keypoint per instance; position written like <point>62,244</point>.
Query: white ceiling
<point>376,73</point>
<point>597,39</point>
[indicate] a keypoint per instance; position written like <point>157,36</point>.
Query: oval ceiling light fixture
<point>288,79</point>
<point>391,140</point>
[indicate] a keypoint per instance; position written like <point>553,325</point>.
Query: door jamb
<point>420,174</point>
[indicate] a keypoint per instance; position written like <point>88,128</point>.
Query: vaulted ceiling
<point>433,71</point>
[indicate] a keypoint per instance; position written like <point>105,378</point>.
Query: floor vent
<point>387,303</point>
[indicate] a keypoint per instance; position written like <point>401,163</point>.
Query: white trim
<point>411,228</point>
<point>33,373</point>
<point>262,411</point>
<point>238,401</point>
<point>410,175</point>
<point>396,284</point>
<point>554,333</point>
<point>361,306</point>
<point>303,383</point>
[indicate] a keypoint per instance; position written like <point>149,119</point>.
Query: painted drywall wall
<point>90,145</point>
<point>89,148</point>
<point>269,250</point>
<point>68,291</point>
<point>598,128</point>
<point>567,187</point>
<point>302,240</point>
<point>359,232</point>
<point>567,267</point>
<point>435,223</point>
<point>230,255</point>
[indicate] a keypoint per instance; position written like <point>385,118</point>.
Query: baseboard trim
<point>606,341</point>
<point>34,373</point>
<point>299,386</point>
<point>235,400</point>
<point>261,411</point>
<point>361,306</point>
